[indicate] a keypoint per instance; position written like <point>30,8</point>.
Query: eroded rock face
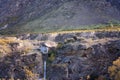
<point>21,67</point>
<point>83,62</point>
<point>81,58</point>
<point>76,56</point>
<point>19,59</point>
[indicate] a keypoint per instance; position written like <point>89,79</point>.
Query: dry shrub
<point>29,74</point>
<point>114,70</point>
<point>5,41</point>
<point>4,47</point>
<point>26,46</point>
<point>23,46</point>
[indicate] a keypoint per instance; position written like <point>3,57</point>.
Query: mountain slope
<point>54,15</point>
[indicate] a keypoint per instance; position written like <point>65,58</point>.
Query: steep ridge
<point>52,15</point>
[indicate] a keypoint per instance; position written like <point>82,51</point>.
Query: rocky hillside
<point>18,16</point>
<point>78,55</point>
<point>19,59</point>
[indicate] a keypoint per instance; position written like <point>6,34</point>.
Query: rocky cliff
<point>81,55</point>
<point>85,55</point>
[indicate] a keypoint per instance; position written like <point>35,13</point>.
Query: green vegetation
<point>52,55</point>
<point>47,29</point>
<point>60,45</point>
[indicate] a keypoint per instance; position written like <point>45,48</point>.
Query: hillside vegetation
<point>57,15</point>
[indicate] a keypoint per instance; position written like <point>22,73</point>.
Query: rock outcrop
<point>86,55</point>
<point>15,66</point>
<point>19,59</point>
<point>83,61</point>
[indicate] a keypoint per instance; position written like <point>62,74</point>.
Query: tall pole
<point>44,70</point>
<point>44,50</point>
